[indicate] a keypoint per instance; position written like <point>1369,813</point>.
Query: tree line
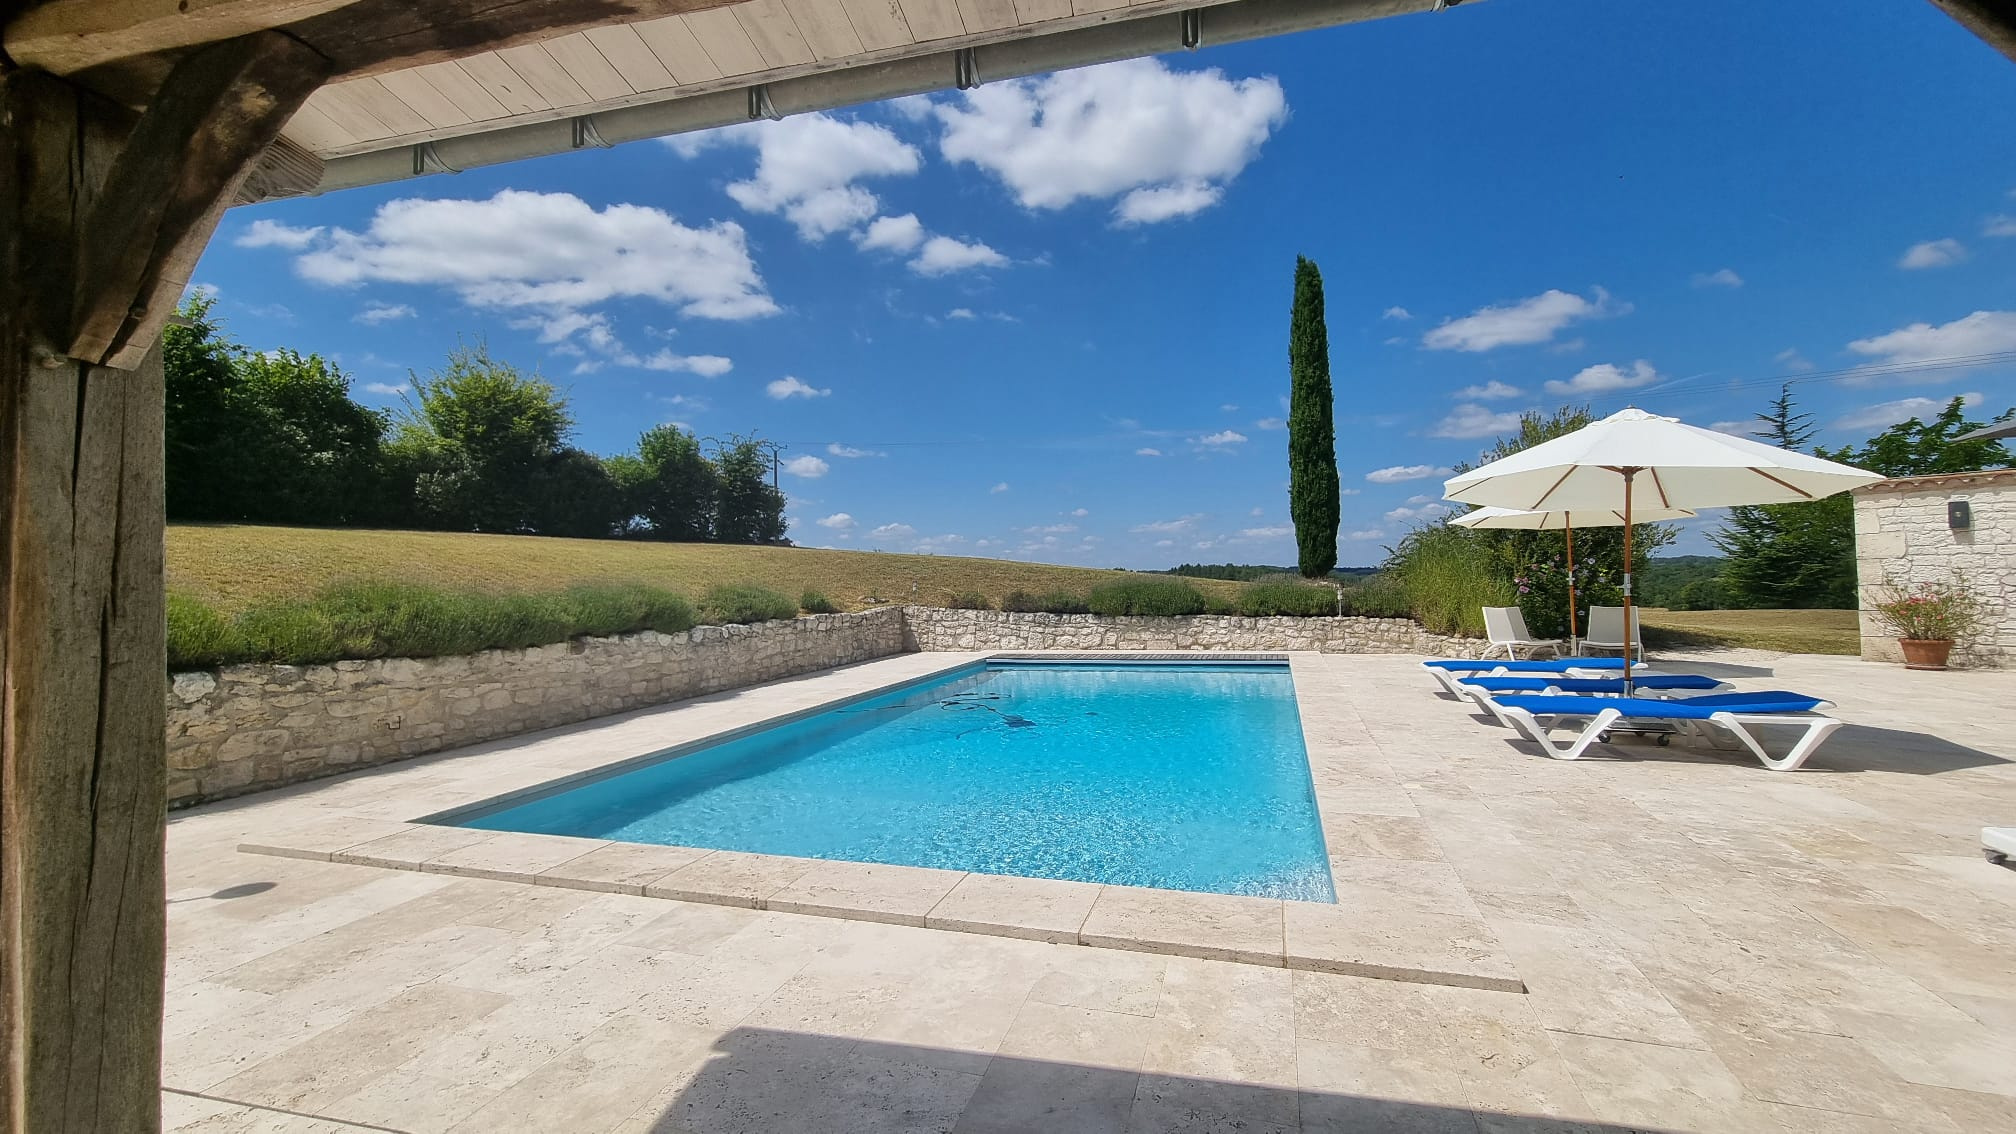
<point>273,437</point>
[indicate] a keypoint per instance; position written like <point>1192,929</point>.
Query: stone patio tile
<point>410,847</point>
<point>599,1082</point>
<point>1107,980</point>
<point>1038,909</point>
<point>1938,1053</point>
<point>1934,955</point>
<point>900,895</point>
<point>1224,1024</point>
<point>690,927</point>
<point>323,836</point>
<point>619,868</point>
<point>1378,886</point>
<point>511,856</point>
<point>1820,1072</point>
<point>1580,982</point>
<point>1219,927</point>
<point>731,878</point>
<point>1653,1085</point>
<point>1351,1087</point>
<point>1061,1069</point>
<point>1381,836</point>
<point>1427,948</point>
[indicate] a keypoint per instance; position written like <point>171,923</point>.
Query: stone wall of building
<point>247,727</point>
<point>1902,536</point>
<point>931,628</point>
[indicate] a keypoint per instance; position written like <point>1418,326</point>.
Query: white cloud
<point>1473,420</point>
<point>389,389</point>
<point>850,452</point>
<point>1396,313</point>
<point>1404,515</point>
<point>891,234</point>
<point>838,521</point>
<point>1266,533</point>
<point>376,313</point>
<point>807,166</point>
<point>2001,224</point>
<point>1983,332</point>
<point>1179,524</point>
<point>998,489</point>
<point>1933,254</point>
<point>790,387</point>
<point>206,290</point>
<point>1792,360</point>
<point>960,313</point>
<point>1081,513</point>
<point>273,234</point>
<point>1883,415</point>
<point>1397,474</point>
<point>548,251</point>
<point>705,365</point>
<point>1228,407</point>
<point>942,255</point>
<point>1147,452</point>
<point>576,332</point>
<point>807,467</point>
<point>893,531</point>
<point>1164,143</point>
<point>1270,423</point>
<point>1050,529</point>
<point>1489,391</point>
<point>1222,439</point>
<point>1349,491</point>
<point>1721,277</point>
<point>1605,377</point>
<point>1533,320</point>
<point>1365,533</point>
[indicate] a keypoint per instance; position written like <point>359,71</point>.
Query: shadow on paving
<point>759,1081</point>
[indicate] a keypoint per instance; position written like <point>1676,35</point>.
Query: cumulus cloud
<point>838,521</point>
<point>1605,377</point>
<point>1933,254</point>
<point>807,467</point>
<point>960,313</point>
<point>1160,143</point>
<point>1536,319</point>
<point>1147,452</point>
<point>1721,277</point>
<point>1792,360</point>
<point>892,234</point>
<point>1270,423</point>
<point>273,234</point>
<point>1406,514</point>
<point>582,332</point>
<point>1883,415</point>
<point>790,386</point>
<point>1223,439</point>
<point>1396,474</point>
<point>942,255</point>
<point>893,531</point>
<point>850,452</point>
<point>2001,224</point>
<point>549,251</point>
<point>807,166</point>
<point>1273,532</point>
<point>1365,533</point>
<point>1983,332</point>
<point>998,489</point>
<point>1396,312</point>
<point>388,389</point>
<point>1165,527</point>
<point>1081,513</point>
<point>1489,391</point>
<point>1473,420</point>
<point>376,313</point>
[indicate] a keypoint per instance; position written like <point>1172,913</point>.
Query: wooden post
<point>102,213</point>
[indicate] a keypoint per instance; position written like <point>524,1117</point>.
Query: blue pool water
<point>1179,776</point>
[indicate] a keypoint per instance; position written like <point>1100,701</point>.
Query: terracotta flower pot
<point>1925,653</point>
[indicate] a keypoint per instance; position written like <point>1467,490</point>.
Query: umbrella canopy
<point>1521,520</point>
<point>1676,466</point>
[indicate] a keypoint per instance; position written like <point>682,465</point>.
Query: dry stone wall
<point>247,727</point>
<point>1902,536</point>
<point>933,629</point>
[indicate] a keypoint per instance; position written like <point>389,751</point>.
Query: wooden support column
<point>102,213</point>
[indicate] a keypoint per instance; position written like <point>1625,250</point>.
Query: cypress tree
<point>1312,437</point>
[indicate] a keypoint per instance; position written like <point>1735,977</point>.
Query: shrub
<point>1936,611</point>
<point>969,600</point>
<point>290,632</point>
<point>1064,602</point>
<point>816,602</point>
<point>1021,602</point>
<point>1219,604</point>
<point>744,603</point>
<point>199,637</point>
<point>1146,596</point>
<point>1297,600</point>
<point>1449,578</point>
<point>1378,597</point>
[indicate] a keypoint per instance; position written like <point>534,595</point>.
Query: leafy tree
<point>574,494</point>
<point>747,507</point>
<point>1790,556</point>
<point>1921,448</point>
<point>480,434</point>
<point>204,462</point>
<point>313,451</point>
<point>676,487</point>
<point>1313,501</point>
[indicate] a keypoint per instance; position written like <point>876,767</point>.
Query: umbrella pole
<point>1569,527</point>
<point>1628,622</point>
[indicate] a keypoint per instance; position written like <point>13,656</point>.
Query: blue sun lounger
<point>1735,713</point>
<point>1660,685</point>
<point>1447,670</point>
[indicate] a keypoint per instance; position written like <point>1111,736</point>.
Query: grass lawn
<point>232,566</point>
<point>1793,631</point>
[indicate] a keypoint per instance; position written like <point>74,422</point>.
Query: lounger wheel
<point>1996,857</point>
<point>1663,739</point>
<point>1602,738</point>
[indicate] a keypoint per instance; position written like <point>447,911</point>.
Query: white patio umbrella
<point>1683,466</point>
<point>1566,523</point>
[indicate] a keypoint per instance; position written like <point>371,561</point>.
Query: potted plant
<point>1928,617</point>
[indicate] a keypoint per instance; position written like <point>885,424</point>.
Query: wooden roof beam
<point>1993,20</point>
<point>64,37</point>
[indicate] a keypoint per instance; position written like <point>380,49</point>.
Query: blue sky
<point>1047,319</point>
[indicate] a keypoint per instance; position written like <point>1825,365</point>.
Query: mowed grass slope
<point>1792,631</point>
<point>233,566</point>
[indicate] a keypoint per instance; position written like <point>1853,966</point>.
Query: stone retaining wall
<point>930,628</point>
<point>1902,536</point>
<point>247,727</point>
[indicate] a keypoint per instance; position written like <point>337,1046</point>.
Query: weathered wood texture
<point>194,144</point>
<point>82,653</point>
<point>1993,20</point>
<point>63,37</point>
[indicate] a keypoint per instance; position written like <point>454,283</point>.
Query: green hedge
<point>1146,596</point>
<point>969,600</point>
<point>1298,600</point>
<point>1055,602</point>
<point>374,620</point>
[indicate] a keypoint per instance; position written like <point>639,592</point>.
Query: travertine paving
<point>1706,946</point>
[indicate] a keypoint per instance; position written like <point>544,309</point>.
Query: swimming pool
<point>1183,776</point>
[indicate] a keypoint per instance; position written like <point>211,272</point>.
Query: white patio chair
<point>1999,844</point>
<point>1606,630</point>
<point>1505,626</point>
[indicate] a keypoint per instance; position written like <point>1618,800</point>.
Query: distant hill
<point>1681,582</point>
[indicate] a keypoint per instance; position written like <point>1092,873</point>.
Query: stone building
<point>1908,530</point>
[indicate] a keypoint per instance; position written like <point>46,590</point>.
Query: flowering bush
<point>1932,611</point>
<point>1543,593</point>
